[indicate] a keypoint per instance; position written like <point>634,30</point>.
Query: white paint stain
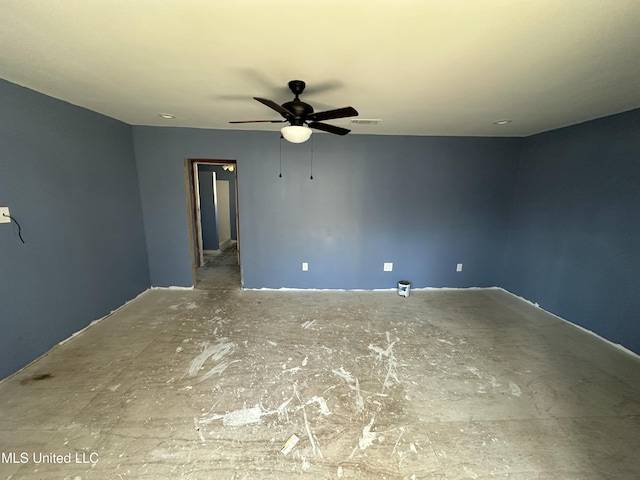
<point>163,453</point>
<point>398,441</point>
<point>367,436</point>
<point>215,352</point>
<point>474,370</point>
<point>470,472</point>
<point>312,438</point>
<point>308,324</point>
<point>305,361</point>
<point>273,344</point>
<point>322,405</point>
<point>341,372</point>
<point>353,384</point>
<point>321,402</point>
<point>392,362</point>
<point>221,367</point>
<point>290,370</point>
<point>244,416</point>
<point>340,472</point>
<point>323,409</point>
<point>359,399</point>
<point>515,389</point>
<point>282,409</point>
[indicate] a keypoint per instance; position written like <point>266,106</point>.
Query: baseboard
<point>579,327</point>
<point>212,252</point>
<point>75,334</point>
<point>225,244</point>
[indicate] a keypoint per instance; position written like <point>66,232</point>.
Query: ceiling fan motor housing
<point>299,109</point>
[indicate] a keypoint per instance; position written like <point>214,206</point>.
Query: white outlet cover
<point>305,267</point>
<point>4,215</point>
<point>388,267</point>
<point>459,267</point>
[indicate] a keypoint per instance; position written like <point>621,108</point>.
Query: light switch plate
<point>387,267</point>
<point>4,215</point>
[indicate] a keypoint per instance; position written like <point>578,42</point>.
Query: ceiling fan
<point>301,116</point>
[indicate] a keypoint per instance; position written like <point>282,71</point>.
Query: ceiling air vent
<point>365,121</point>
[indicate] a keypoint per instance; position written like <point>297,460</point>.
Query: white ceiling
<point>425,67</point>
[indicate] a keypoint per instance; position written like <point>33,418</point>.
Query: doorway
<point>212,202</point>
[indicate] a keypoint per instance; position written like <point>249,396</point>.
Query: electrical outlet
<point>387,267</point>
<point>305,267</point>
<point>459,267</point>
<point>4,215</point>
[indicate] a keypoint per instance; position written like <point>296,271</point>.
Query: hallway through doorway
<point>220,271</point>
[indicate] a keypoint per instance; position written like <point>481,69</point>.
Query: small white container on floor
<point>403,288</point>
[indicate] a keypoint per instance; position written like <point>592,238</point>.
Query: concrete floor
<point>445,384</point>
<point>220,271</point>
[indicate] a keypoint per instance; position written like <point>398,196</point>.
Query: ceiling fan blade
<point>330,114</point>
<point>258,121</point>
<point>316,88</point>
<point>329,128</point>
<point>278,108</point>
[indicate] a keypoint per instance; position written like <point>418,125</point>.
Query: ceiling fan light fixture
<point>296,133</point>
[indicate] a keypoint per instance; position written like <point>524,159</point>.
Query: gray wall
<point>68,176</point>
<point>208,211</point>
<point>423,203</point>
<point>574,243</point>
<point>222,174</point>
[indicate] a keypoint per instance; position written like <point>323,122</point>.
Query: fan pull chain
<point>311,177</point>
<point>281,137</point>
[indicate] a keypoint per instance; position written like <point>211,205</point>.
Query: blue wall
<point>574,244</point>
<point>423,203</point>
<point>160,158</point>
<point>68,176</point>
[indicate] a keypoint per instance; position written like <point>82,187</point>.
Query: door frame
<point>195,231</point>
